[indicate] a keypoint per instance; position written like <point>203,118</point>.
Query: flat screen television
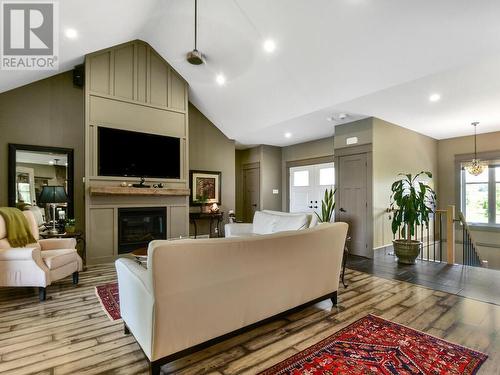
<point>123,153</point>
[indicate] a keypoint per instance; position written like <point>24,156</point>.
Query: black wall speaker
<point>79,75</point>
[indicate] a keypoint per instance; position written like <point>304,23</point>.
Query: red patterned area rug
<point>373,345</point>
<point>110,301</point>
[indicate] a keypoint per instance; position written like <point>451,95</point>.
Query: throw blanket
<point>18,229</point>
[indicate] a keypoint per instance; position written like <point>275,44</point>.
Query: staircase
<point>470,256</point>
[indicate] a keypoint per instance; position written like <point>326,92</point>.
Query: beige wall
<point>270,178</point>
<point>45,113</point>
<point>211,150</point>
<point>247,156</point>
<point>396,150</point>
<point>269,159</point>
<point>488,240</point>
<point>362,129</point>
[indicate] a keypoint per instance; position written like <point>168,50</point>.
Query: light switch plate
<point>276,191</point>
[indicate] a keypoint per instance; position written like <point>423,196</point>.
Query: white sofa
<point>195,291</point>
<point>267,221</point>
<point>38,264</point>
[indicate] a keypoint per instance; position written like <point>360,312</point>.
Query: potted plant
<point>69,226</point>
<point>412,203</point>
<point>327,207</point>
<point>202,200</point>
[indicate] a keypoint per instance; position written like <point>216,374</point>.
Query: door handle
<point>342,210</point>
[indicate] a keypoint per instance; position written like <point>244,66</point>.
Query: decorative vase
<point>406,251</point>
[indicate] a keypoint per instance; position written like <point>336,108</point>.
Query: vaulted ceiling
<point>380,58</point>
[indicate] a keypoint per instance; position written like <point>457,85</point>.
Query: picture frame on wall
<point>205,187</point>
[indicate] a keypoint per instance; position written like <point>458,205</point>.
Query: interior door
<point>251,193</point>
<point>301,189</point>
<point>352,201</point>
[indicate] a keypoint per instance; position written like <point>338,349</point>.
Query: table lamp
<point>53,195</point>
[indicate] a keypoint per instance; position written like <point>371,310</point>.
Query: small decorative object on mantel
<point>231,216</point>
<point>123,184</point>
<point>141,184</point>
<point>214,208</point>
<point>205,188</point>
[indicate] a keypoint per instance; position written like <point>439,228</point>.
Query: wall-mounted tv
<point>123,153</point>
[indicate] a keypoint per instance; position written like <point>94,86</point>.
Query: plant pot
<point>69,228</point>
<point>406,251</point>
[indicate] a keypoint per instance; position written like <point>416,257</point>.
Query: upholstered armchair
<point>38,264</point>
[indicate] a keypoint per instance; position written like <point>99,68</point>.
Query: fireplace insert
<point>138,226</point>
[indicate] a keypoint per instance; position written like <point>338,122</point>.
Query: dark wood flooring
<point>70,334</point>
<point>477,283</point>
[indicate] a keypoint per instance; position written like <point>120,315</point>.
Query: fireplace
<point>138,226</point>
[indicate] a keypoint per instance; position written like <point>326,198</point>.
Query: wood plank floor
<point>70,334</point>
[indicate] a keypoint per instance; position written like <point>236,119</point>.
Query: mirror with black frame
<point>41,180</point>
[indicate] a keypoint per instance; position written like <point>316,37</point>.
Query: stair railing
<point>470,257</point>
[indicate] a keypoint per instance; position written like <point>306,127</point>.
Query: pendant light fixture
<point>475,167</point>
<point>195,57</point>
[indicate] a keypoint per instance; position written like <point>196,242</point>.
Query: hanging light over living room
<point>475,167</point>
<point>195,57</point>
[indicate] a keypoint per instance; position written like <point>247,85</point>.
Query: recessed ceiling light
<point>434,97</point>
<point>288,135</point>
<point>330,118</point>
<point>269,45</point>
<point>220,79</point>
<point>71,33</point>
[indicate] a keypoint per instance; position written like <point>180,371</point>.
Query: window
<point>301,178</point>
<point>481,196</point>
<point>327,176</point>
<point>497,194</point>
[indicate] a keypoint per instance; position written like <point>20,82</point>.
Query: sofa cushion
<point>267,222</point>
<point>292,222</point>
<point>263,222</point>
<point>58,258</point>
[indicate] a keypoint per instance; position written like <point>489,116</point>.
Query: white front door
<point>308,185</point>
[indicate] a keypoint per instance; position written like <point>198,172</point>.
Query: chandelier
<point>475,167</point>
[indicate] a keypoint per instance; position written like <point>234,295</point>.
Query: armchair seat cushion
<point>59,258</point>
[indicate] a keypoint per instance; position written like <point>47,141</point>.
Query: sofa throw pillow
<point>292,222</point>
<point>263,223</point>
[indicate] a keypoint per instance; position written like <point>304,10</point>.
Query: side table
<point>211,217</point>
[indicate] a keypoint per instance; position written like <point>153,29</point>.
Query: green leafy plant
<point>327,206</point>
<point>202,199</point>
<point>412,201</point>
<point>69,225</point>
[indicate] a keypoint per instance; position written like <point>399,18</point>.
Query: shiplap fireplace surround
<point>131,87</point>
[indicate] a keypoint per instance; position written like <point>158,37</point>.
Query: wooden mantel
<point>151,192</point>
